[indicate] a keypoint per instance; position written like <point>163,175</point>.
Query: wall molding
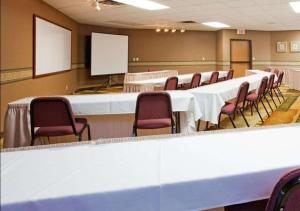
<point>21,74</point>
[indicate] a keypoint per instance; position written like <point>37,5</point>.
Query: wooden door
<point>240,56</point>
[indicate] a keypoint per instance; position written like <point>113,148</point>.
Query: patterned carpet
<point>288,111</point>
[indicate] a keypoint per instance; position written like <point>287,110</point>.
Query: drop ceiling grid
<point>249,14</point>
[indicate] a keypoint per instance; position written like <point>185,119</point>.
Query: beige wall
<point>16,51</point>
<point>284,36</point>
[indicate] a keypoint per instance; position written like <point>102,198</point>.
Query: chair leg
<point>89,131</point>
<point>251,108</point>
<point>244,117</point>
<point>219,120</point>
<point>207,124</point>
<point>173,129</point>
<point>32,141</point>
<point>271,95</point>
<point>277,95</point>
<point>178,129</point>
<point>134,132</point>
<point>264,107</point>
<point>232,122</point>
<point>280,93</point>
<point>268,103</point>
<point>256,107</point>
<point>80,137</point>
<point>198,126</point>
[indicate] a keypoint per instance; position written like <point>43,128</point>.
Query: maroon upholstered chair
<point>195,82</point>
<point>256,97</point>
<point>269,90</point>
<point>276,86</point>
<point>213,79</point>
<point>238,105</point>
<point>285,196</point>
<point>171,83</point>
<point>228,77</point>
<point>53,116</point>
<point>153,111</point>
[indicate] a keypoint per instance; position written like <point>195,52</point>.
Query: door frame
<point>250,53</point>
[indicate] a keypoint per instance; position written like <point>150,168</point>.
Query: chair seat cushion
<point>154,123</point>
<point>62,130</point>
<point>252,97</point>
<point>275,85</point>
<point>228,108</point>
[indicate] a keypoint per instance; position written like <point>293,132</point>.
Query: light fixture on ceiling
<point>97,5</point>
<point>182,30</point>
<point>166,30</point>
<point>144,4</point>
<point>173,30</point>
<point>158,30</point>
<point>296,6</point>
<point>217,25</point>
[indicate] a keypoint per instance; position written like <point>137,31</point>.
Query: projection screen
<point>109,54</point>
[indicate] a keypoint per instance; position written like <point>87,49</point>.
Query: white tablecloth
<point>149,84</point>
<point>213,97</point>
<point>291,78</point>
<point>186,173</point>
<point>17,121</point>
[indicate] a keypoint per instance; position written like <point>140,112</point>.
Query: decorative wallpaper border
<point>20,74</point>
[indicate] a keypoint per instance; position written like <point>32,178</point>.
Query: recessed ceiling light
<point>173,30</point>
<point>166,30</point>
<point>144,4</point>
<point>296,6</point>
<point>217,25</point>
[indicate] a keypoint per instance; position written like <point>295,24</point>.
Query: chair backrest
<point>280,77</point>
<point>50,112</point>
<point>262,87</point>
<point>268,69</point>
<point>195,80</point>
<point>171,83</point>
<point>271,82</point>
<point>242,94</point>
<point>230,74</point>
<point>276,71</point>
<point>286,193</point>
<point>214,77</point>
<point>153,105</point>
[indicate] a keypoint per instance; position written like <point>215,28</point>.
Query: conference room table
<point>212,98</point>
<point>291,78</point>
<point>17,118</point>
<point>151,84</point>
<point>168,173</point>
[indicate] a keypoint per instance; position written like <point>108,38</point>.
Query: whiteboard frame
<point>35,16</point>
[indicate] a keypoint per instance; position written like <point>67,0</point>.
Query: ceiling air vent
<point>110,3</point>
<point>187,22</point>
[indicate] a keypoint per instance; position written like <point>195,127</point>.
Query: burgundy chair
<point>195,82</point>
<point>285,196</point>
<point>269,90</point>
<point>230,108</point>
<point>275,71</point>
<point>53,116</point>
<point>153,111</point>
<point>213,79</point>
<point>171,83</point>
<point>276,86</point>
<point>228,77</point>
<point>256,97</point>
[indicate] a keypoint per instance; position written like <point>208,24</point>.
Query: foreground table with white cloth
<point>213,97</point>
<point>291,78</point>
<point>150,84</point>
<point>17,120</point>
<point>180,173</point>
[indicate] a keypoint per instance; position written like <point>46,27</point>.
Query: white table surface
<point>182,79</point>
<point>185,173</point>
<point>213,97</point>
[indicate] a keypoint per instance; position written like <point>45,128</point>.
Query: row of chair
<point>266,88</point>
<point>172,82</point>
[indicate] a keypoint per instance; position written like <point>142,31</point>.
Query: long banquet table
<point>150,84</point>
<point>170,173</point>
<point>213,97</point>
<point>17,119</point>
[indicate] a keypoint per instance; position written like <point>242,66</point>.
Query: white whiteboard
<point>52,48</point>
<point>109,54</point>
